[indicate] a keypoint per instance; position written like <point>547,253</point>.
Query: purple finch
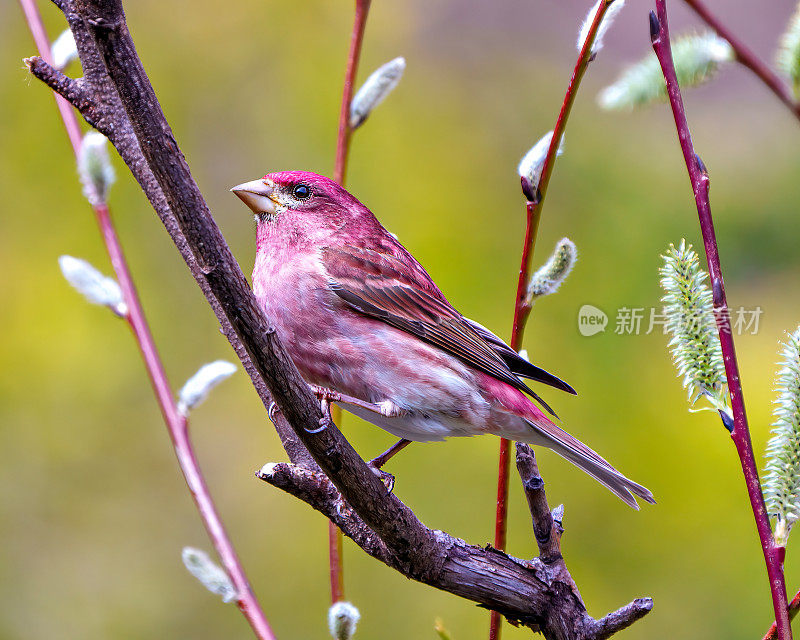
<point>367,327</point>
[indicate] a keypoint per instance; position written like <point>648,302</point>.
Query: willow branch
<point>746,57</point>
<point>353,58</point>
<point>740,434</point>
<point>794,607</point>
<point>339,173</point>
<point>176,423</point>
<point>522,305</point>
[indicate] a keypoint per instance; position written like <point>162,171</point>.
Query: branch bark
<point>467,569</point>
<point>123,106</point>
<point>546,528</point>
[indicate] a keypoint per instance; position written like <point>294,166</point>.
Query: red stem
<point>339,174</point>
<point>794,606</point>
<point>773,555</point>
<point>335,563</point>
<point>522,307</point>
<point>176,423</point>
<point>749,59</point>
<point>345,131</point>
<point>36,27</point>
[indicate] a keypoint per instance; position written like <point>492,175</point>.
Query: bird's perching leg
<point>390,453</point>
<point>386,408</point>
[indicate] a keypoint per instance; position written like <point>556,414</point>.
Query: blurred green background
<point>93,511</point>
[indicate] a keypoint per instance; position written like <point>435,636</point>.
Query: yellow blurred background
<point>93,511</point>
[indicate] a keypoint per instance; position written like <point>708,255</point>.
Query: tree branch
<point>522,305</point>
<point>71,90</point>
<point>740,434</point>
<point>546,529</point>
<point>747,58</point>
<point>345,133</point>
<point>472,568</point>
<point>176,423</point>
<point>622,618</point>
<point>315,489</point>
<point>111,120</point>
<point>132,118</point>
<point>794,607</point>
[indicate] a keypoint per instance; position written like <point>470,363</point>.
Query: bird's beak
<point>257,194</point>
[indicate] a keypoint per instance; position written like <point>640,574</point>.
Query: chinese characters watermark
<point>634,321</point>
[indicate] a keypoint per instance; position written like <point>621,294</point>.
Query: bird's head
<point>298,193</point>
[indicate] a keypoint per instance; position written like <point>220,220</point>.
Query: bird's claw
<point>386,478</point>
<point>325,420</point>
<point>272,410</point>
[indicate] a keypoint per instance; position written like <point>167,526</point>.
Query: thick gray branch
<point>71,90</point>
<point>620,619</point>
<point>318,491</point>
<point>106,113</point>
<point>476,573</point>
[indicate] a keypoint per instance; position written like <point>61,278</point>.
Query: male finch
<point>368,328</point>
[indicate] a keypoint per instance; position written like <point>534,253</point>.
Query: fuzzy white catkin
<point>342,620</point>
<point>782,473</point>
<point>208,573</point>
<point>788,56</point>
<point>198,387</point>
<point>64,50</point>
<point>549,277</point>
<point>532,163</point>
<point>697,58</point>
<point>93,285</point>
<point>689,313</point>
<point>374,91</point>
<point>94,168</point>
<point>605,24</point>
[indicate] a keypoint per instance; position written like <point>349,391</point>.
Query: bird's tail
<point>547,434</point>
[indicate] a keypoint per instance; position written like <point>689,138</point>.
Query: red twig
<point>740,433</point>
<point>747,58</point>
<point>339,174</point>
<point>176,423</point>
<point>522,307</point>
<point>794,607</point>
<point>36,27</point>
<point>345,131</point>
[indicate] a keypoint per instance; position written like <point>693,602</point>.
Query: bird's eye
<point>301,192</point>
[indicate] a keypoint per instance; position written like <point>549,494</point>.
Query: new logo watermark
<point>591,320</point>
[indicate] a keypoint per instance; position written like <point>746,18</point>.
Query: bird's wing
<point>519,365</point>
<point>380,286</point>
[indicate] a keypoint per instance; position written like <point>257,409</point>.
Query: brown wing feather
<point>375,285</point>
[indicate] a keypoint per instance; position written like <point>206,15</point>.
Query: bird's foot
<point>378,462</point>
<point>272,411</point>
<point>325,421</point>
<point>384,476</point>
